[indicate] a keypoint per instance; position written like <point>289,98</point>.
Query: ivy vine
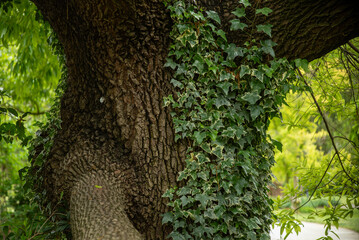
<point>39,149</point>
<point>226,95</point>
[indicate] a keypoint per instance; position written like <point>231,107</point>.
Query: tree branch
<point>327,127</point>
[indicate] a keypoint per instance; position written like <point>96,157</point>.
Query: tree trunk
<point>116,155</point>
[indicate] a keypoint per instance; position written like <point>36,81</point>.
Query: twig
<point>353,47</point>
<point>350,141</point>
<point>317,186</point>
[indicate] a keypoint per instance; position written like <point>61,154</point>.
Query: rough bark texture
<point>115,155</point>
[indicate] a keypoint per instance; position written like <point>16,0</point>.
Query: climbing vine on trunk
<point>226,95</point>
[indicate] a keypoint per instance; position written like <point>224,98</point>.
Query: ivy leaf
<point>214,15</point>
<point>176,236</point>
<point>182,27</point>
<point>225,76</point>
<point>199,136</point>
<point>170,63</point>
<point>239,131</point>
<point>176,83</point>
<point>237,24</point>
<point>259,75</point>
<point>221,101</point>
<point>239,184</point>
<point>246,3</point>
<point>240,12</point>
<point>265,11</point>
<point>229,132</point>
<point>233,51</point>
<point>267,47</point>
<point>203,198</point>
<point>199,231</point>
<point>265,28</point>
<point>251,97</point>
<point>199,65</point>
<point>210,214</point>
<point>222,34</point>
<point>302,63</point>
<point>185,200</point>
<point>244,70</point>
<point>255,111</point>
<point>225,87</point>
<point>167,217</point>
<point>218,151</point>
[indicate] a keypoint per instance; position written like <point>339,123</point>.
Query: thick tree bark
<point>116,155</point>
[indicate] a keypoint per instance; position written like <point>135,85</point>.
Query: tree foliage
<point>328,115</point>
<point>29,71</point>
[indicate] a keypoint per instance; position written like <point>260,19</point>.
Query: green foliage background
<point>30,70</point>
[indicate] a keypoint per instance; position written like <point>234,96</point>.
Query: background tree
<point>29,72</point>
<point>115,153</point>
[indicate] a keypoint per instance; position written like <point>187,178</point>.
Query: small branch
<point>40,233</point>
<point>31,113</point>
<point>327,127</point>
<point>317,186</point>
<point>353,47</point>
<point>350,141</point>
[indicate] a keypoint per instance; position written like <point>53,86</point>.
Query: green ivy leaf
<point>199,136</point>
<point>186,200</point>
<point>214,16</point>
<point>267,47</point>
<point>233,51</point>
<point>255,111</point>
<point>203,198</point>
<point>209,213</point>
<point>236,24</point>
<point>218,151</point>
<point>251,97</point>
<point>222,34</point>
<point>302,63</point>
<point>246,3</point>
<point>267,29</point>
<point>182,27</point>
<point>170,63</point>
<point>259,75</point>
<point>244,70</point>
<point>199,65</point>
<point>167,217</point>
<point>225,87</point>
<point>265,11</point>
<point>176,83</point>
<point>221,101</point>
<point>176,236</point>
<point>199,231</point>
<point>240,12</point>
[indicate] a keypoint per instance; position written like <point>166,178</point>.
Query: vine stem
<point>327,127</point>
